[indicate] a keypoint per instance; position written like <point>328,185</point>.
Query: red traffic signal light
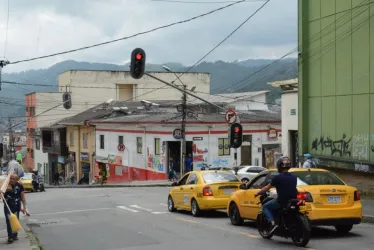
<point>236,135</point>
<point>139,56</point>
<point>137,64</point>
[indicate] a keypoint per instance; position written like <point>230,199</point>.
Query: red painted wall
<point>134,174</point>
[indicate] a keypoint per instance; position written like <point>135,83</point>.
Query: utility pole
<point>11,141</point>
<point>184,115</point>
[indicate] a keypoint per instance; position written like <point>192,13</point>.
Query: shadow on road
<point>330,232</point>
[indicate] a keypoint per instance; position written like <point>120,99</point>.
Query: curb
<point>33,241</point>
<point>111,186</point>
<point>368,219</point>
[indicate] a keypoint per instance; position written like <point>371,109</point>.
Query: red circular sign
<point>230,116</point>
<point>121,147</point>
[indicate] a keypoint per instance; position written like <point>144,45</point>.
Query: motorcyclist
<point>285,184</point>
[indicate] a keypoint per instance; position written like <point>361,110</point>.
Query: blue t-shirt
<point>285,183</point>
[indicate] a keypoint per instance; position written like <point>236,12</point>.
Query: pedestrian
<point>13,196</point>
<point>56,179</point>
<point>189,163</point>
<point>309,163</point>
<point>71,175</point>
<point>171,168</point>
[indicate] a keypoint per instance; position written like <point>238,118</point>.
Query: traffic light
<point>137,65</point>
<point>1,150</point>
<point>66,98</point>
<point>236,135</point>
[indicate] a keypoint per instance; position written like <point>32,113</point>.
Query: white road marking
<point>128,209</point>
<point>160,212</point>
<point>141,208</point>
<point>73,211</point>
<point>163,204</point>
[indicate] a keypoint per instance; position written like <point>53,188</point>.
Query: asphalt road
<point>137,218</point>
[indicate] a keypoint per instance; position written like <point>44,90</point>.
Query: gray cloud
<point>47,26</point>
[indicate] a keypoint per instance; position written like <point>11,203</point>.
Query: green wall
<point>336,79</point>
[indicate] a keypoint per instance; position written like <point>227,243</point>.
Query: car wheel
<point>195,210</point>
<point>245,180</point>
<point>234,214</point>
<point>344,229</point>
<point>171,207</point>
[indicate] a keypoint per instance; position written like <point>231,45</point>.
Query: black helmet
<point>283,163</point>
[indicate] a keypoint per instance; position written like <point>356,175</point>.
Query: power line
<point>131,36</point>
<point>312,38</point>
<point>209,52</point>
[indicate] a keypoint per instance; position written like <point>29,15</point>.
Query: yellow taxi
<point>329,201</point>
<point>202,190</point>
<point>26,181</point>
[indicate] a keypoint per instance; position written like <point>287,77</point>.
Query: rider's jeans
<point>269,208</point>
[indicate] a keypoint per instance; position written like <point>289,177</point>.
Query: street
<point>137,218</point>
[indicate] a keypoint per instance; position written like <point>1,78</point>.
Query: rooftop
<point>286,85</point>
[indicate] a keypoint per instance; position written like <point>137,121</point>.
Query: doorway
<point>246,155</point>
<point>174,153</point>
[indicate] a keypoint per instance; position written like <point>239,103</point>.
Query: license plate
<point>228,191</point>
<point>334,199</point>
<point>305,208</point>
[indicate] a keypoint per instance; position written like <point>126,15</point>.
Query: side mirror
<point>174,184</point>
<point>243,186</point>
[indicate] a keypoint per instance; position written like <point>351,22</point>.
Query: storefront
<point>86,166</point>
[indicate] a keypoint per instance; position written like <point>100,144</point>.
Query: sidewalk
<point>368,210</point>
<point>24,242</point>
<point>163,183</point>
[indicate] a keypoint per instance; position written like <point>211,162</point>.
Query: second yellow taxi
<point>202,190</point>
<point>329,201</point>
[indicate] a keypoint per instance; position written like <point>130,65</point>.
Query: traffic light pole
<point>184,115</point>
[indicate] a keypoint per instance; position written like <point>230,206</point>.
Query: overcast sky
<point>40,27</point>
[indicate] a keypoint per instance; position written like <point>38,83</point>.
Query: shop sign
<point>272,133</point>
<point>85,157</point>
<point>177,134</point>
<point>115,159</point>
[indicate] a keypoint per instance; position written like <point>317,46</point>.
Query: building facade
<point>94,86</point>
<point>289,100</point>
<point>130,149</point>
<point>336,100</point>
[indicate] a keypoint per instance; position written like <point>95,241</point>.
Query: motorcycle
<point>292,221</point>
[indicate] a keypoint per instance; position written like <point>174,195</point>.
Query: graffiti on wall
<point>360,147</point>
<point>199,156</point>
<point>220,162</point>
<point>357,147</point>
<point>156,163</point>
<point>339,147</point>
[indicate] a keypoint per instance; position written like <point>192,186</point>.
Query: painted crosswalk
<point>134,208</point>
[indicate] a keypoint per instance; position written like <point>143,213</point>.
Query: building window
<point>71,138</point>
<point>32,111</point>
<point>101,141</point>
<point>247,138</point>
<point>37,144</point>
<point>85,140</point>
<point>139,144</point>
<point>120,140</point>
<point>157,146</point>
<point>223,147</point>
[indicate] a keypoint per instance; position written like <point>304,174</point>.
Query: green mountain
<point>237,76</point>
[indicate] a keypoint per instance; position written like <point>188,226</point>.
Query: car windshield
<point>219,177</point>
<point>313,178</point>
<point>27,177</point>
